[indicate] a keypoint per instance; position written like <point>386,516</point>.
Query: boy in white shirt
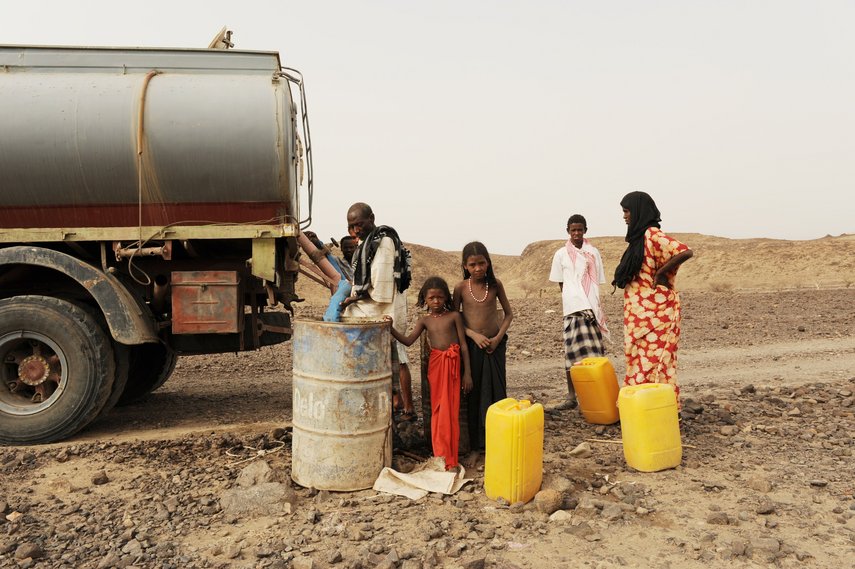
<point>578,269</point>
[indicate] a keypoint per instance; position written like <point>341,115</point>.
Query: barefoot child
<point>477,294</point>
<point>445,332</point>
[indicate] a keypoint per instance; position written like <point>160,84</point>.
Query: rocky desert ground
<point>198,474</point>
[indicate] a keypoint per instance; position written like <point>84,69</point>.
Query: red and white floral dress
<point>651,316</point>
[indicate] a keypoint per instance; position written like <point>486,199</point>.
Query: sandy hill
<point>719,264</point>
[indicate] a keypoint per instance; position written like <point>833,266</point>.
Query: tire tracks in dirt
<point>782,363</point>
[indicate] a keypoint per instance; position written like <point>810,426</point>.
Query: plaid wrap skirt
<point>582,337</point>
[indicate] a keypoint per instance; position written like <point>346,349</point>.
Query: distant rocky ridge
<point>720,264</point>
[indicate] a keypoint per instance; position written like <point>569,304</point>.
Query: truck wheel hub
<point>33,370</point>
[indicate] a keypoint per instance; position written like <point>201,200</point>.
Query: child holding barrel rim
<point>448,347</point>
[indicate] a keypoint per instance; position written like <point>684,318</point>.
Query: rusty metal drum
<point>342,404</point>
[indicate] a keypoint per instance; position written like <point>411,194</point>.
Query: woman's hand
<point>661,279</point>
<point>494,343</point>
<point>670,268</point>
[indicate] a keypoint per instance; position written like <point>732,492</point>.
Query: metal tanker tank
<point>115,137</point>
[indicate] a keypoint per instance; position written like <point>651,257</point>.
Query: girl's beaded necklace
<point>486,291</point>
<point>438,314</point>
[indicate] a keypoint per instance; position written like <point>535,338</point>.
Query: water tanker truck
<point>149,207</point>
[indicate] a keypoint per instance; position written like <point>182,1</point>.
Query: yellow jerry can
<point>597,389</point>
<point>513,461</point>
<point>650,426</point>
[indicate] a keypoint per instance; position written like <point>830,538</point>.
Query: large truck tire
<point>123,363</point>
<point>150,365</point>
<point>56,369</point>
<point>121,356</point>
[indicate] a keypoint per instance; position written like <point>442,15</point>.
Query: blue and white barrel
<point>342,404</point>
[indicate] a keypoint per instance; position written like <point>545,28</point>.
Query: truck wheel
<point>150,367</point>
<point>56,369</point>
<point>121,354</point>
<point>123,364</point>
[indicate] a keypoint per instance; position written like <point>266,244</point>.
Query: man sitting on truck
<point>380,279</point>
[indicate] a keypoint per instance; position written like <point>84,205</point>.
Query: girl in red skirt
<point>448,347</point>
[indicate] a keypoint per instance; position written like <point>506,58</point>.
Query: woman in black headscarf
<point>651,310</point>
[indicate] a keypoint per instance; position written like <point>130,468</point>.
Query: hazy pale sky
<point>498,120</point>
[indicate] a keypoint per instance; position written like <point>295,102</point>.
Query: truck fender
<point>129,322</point>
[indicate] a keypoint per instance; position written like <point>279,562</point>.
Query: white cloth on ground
<point>429,476</point>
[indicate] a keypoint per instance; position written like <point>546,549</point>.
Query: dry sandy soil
<point>766,479</point>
